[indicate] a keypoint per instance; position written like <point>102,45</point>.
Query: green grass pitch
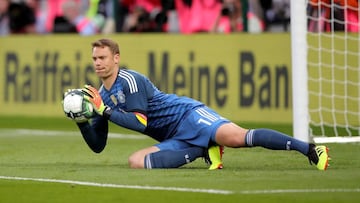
<point>54,151</point>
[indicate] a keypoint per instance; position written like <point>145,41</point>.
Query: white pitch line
<point>344,139</point>
<point>179,189</point>
<point>33,132</point>
<point>282,191</point>
<point>109,185</point>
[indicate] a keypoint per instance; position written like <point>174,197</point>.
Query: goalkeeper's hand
<point>92,95</point>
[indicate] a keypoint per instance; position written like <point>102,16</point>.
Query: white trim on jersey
<point>130,79</point>
<point>205,114</point>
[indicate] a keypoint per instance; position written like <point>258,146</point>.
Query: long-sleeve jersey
<point>138,105</point>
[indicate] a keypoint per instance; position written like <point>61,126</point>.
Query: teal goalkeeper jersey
<point>133,92</point>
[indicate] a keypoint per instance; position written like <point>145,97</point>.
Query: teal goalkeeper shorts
<point>197,128</point>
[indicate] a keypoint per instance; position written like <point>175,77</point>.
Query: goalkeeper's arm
<point>95,134</point>
<point>132,120</point>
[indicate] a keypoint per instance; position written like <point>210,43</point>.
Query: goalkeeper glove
<point>92,95</point>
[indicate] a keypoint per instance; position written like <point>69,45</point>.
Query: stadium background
<point>246,77</point>
<point>243,77</point>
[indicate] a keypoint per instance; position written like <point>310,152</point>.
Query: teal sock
<point>172,158</point>
<point>275,140</point>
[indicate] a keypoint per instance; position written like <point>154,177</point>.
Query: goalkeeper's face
<point>105,63</point>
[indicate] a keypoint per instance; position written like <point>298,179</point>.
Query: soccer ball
<point>76,107</point>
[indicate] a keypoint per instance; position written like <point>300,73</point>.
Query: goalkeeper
<point>185,129</point>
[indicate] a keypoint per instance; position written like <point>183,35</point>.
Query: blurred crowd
<point>337,15</point>
<point>88,17</point>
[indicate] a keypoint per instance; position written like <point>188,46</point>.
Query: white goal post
<point>325,44</point>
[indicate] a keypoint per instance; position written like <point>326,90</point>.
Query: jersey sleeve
<point>137,91</point>
<point>130,120</point>
<point>95,134</point>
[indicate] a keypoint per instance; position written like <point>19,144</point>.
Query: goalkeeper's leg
<point>232,135</point>
<point>168,154</point>
<point>272,139</point>
<point>172,158</point>
<point>152,157</point>
<point>275,140</point>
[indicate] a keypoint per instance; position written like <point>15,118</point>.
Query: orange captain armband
<point>141,118</point>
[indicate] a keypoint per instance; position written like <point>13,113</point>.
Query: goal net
<point>330,87</point>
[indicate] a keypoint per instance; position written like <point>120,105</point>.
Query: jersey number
<point>201,120</point>
<point>207,118</point>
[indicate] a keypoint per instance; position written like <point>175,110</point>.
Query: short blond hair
<point>113,46</point>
